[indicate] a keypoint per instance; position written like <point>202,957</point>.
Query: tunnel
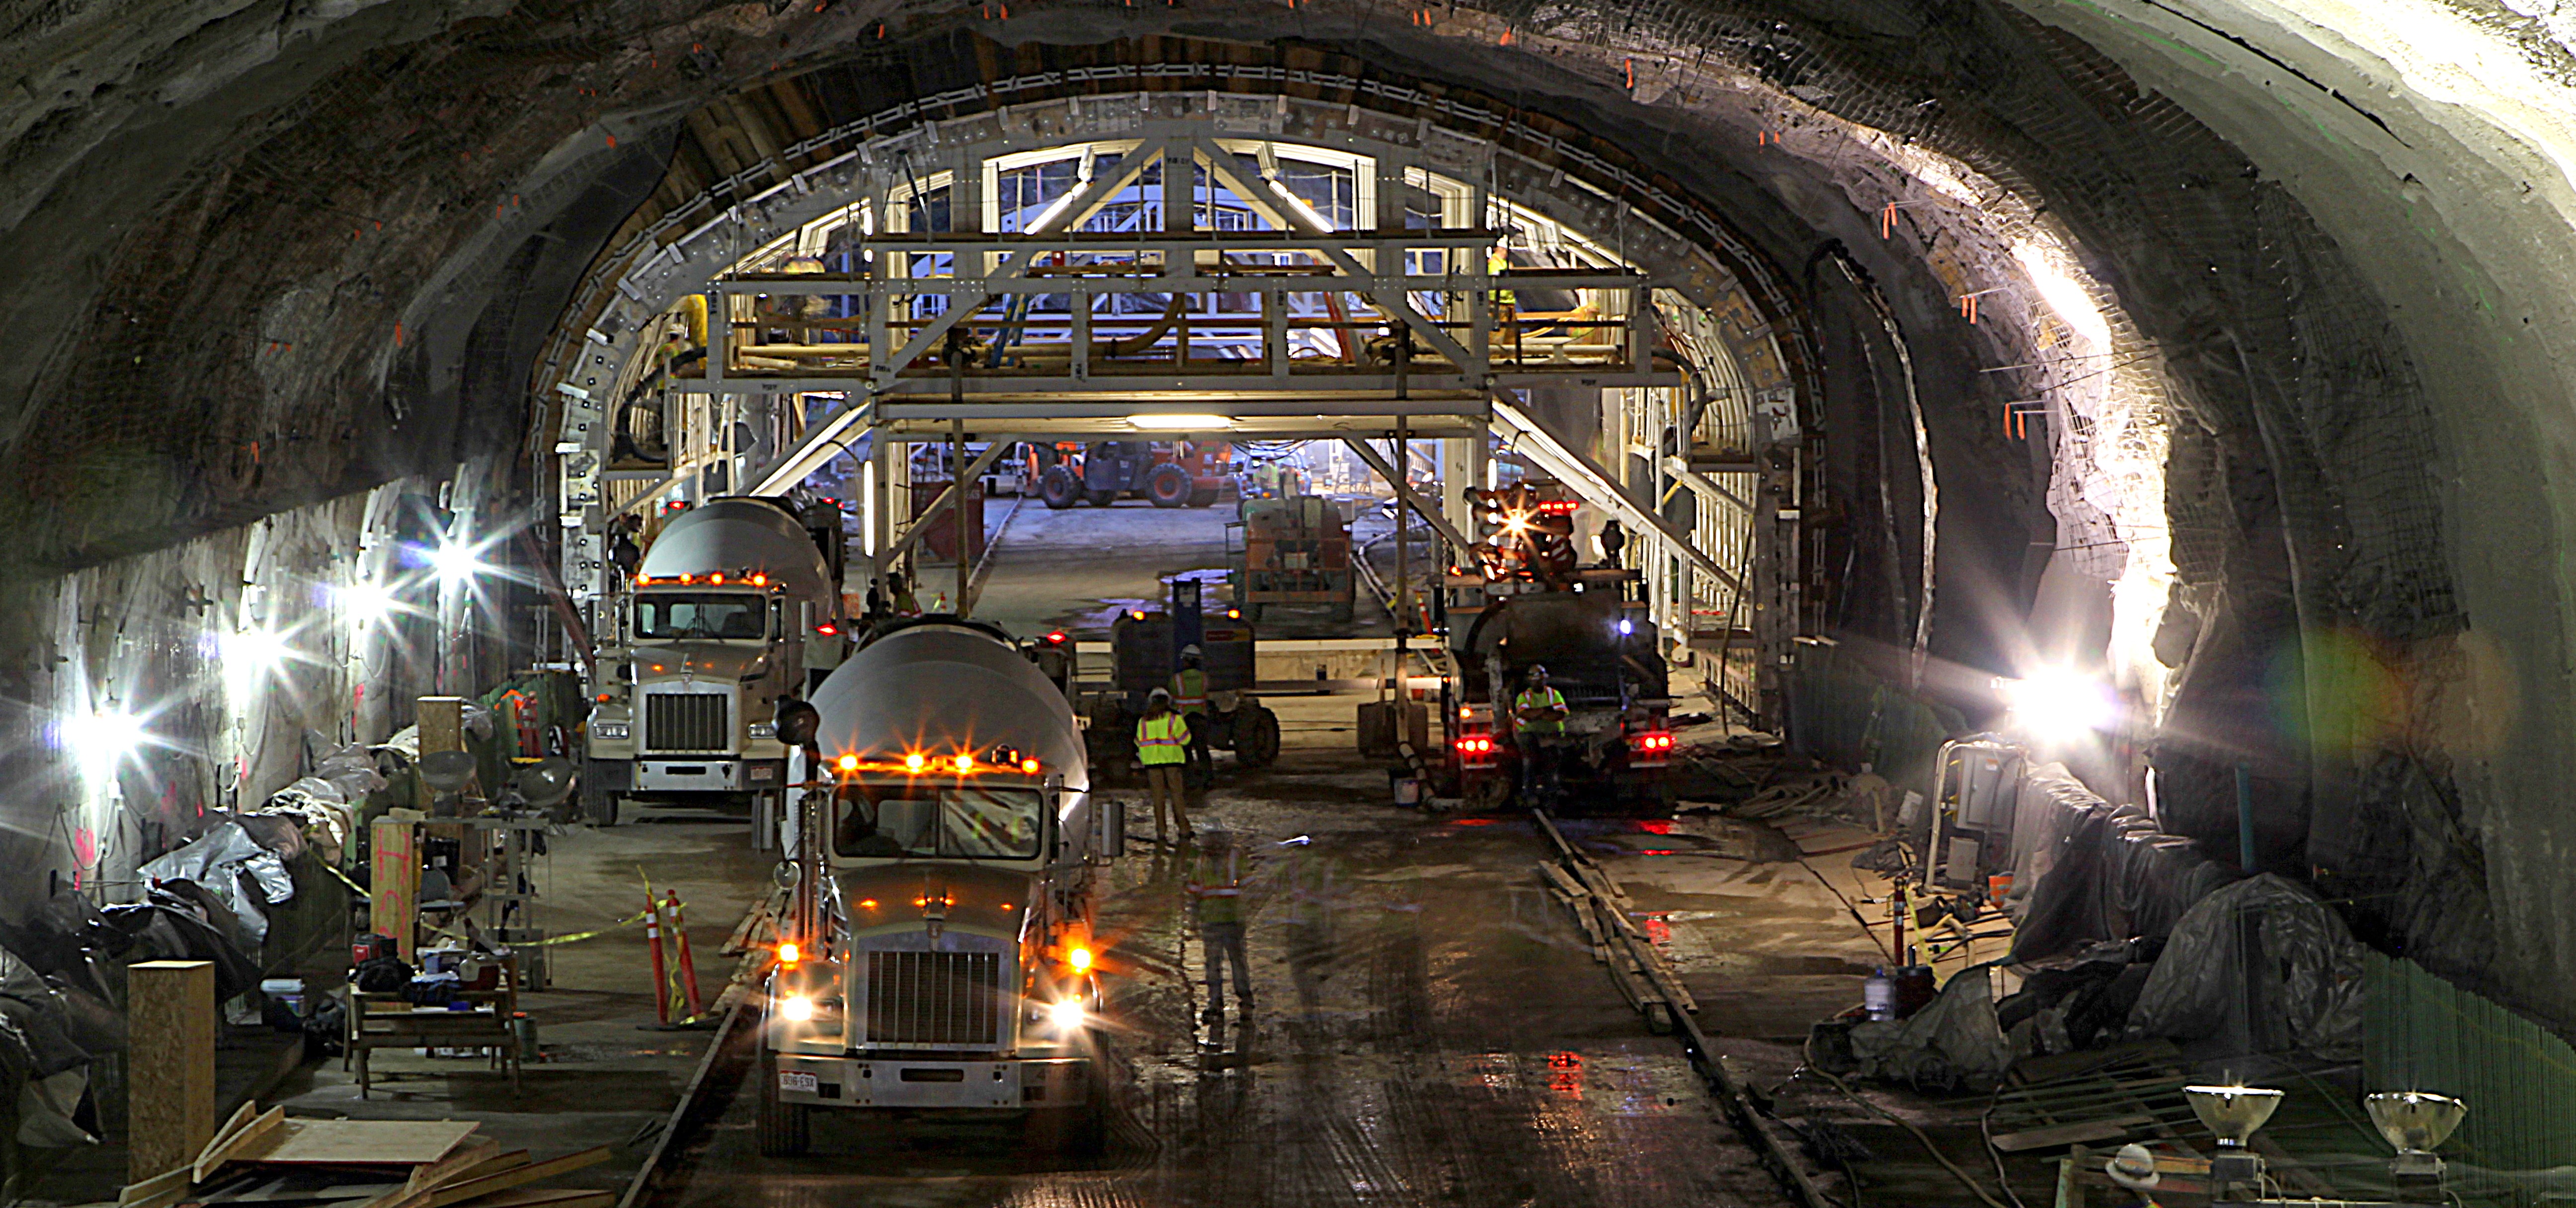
<point>2139,410</point>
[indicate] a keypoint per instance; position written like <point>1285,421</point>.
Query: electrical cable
<point>1919,1136</point>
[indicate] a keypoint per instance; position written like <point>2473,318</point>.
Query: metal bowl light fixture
<point>2233,1112</point>
<point>2415,1123</point>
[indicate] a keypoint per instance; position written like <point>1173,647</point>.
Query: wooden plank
<point>458,1193</point>
<point>393,903</point>
<point>154,1187</point>
<point>242,1115</point>
<point>491,1165</point>
<point>170,1113</point>
<point>473,1152</point>
<point>362,1142</point>
<point>251,1134</point>
<point>2068,1134</point>
<point>545,1197</point>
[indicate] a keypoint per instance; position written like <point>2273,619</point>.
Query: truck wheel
<point>785,1129</point>
<point>1102,499</point>
<point>1168,486</point>
<point>1058,488</point>
<point>1256,738</point>
<point>599,806</point>
<point>1203,497</point>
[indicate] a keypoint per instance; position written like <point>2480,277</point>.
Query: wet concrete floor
<point>1427,1028</point>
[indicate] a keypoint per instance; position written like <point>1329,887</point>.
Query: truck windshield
<point>670,616</point>
<point>956,821</point>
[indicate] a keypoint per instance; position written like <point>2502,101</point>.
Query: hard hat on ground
<point>2133,1167</point>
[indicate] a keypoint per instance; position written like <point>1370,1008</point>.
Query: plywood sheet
<point>361,1142</point>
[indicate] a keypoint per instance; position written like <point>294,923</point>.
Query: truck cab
<point>937,953</point>
<point>730,611</point>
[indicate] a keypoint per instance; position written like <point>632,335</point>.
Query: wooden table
<point>387,1021</point>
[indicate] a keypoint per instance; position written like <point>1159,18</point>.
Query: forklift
<point>1106,471</point>
<point>1146,649</point>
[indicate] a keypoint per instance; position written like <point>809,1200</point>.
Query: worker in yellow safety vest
<point>1538,722</point>
<point>1190,699</point>
<point>1162,745</point>
<point>1215,886</point>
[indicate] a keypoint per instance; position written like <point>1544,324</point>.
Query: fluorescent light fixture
<point>101,740</point>
<point>456,562</point>
<point>2060,704</point>
<point>366,603</point>
<point>1179,422</point>
<point>253,650</point>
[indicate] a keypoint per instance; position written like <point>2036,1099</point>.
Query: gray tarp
<point>2260,966</point>
<point>1953,1041</point>
<point>218,860</point>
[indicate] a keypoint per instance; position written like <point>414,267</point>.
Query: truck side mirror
<point>796,722</point>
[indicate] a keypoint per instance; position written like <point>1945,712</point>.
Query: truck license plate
<point>790,1080</point>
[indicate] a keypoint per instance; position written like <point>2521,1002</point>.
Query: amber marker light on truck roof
<point>1029,766</point>
<point>916,762</point>
<point>849,763</point>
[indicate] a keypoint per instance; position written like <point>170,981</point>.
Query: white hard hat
<point>1159,694</point>
<point>2133,1167</point>
<point>1189,650</point>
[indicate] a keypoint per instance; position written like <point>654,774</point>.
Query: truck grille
<point>934,997</point>
<point>675,721</point>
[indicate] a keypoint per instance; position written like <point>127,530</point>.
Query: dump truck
<point>1526,605</point>
<point>734,608</point>
<point>936,951</point>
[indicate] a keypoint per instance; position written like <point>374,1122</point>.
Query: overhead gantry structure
<point>1207,266</point>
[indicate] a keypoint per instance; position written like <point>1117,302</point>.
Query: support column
<point>1462,465</point>
<point>883,476</point>
<point>170,1064</point>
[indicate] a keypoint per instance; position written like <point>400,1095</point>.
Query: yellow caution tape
<point>550,941</point>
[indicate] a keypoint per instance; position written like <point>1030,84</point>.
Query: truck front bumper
<point>869,1081</point>
<point>718,774</point>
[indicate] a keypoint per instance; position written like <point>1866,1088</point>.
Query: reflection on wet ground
<point>1427,1028</point>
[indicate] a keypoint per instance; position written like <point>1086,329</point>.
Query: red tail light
<point>1650,748</point>
<point>1056,638</point>
<point>1474,750</point>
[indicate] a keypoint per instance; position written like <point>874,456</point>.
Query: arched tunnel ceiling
<point>260,254</point>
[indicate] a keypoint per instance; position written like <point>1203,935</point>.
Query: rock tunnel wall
<point>262,255</point>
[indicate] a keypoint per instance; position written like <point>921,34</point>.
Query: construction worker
<point>900,594</point>
<point>1190,698</point>
<point>1162,745</point>
<point>1538,719</point>
<point>1215,886</point>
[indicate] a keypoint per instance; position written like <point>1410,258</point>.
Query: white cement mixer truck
<point>936,953</point>
<point>733,609</point>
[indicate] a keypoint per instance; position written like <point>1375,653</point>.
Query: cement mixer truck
<point>734,608</point>
<point>936,952</point>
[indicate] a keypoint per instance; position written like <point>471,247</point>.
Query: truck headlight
<point>796,1008</point>
<point>764,729</point>
<point>608,729</point>
<point>1066,1016</point>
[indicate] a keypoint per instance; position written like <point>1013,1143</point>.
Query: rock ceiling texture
<point>254,255</point>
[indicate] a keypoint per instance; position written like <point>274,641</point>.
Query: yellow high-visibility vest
<point>1539,698</point>
<point>1161,740</point>
<point>1189,690</point>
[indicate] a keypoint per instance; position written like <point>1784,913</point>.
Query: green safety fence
<point>2519,1080</point>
